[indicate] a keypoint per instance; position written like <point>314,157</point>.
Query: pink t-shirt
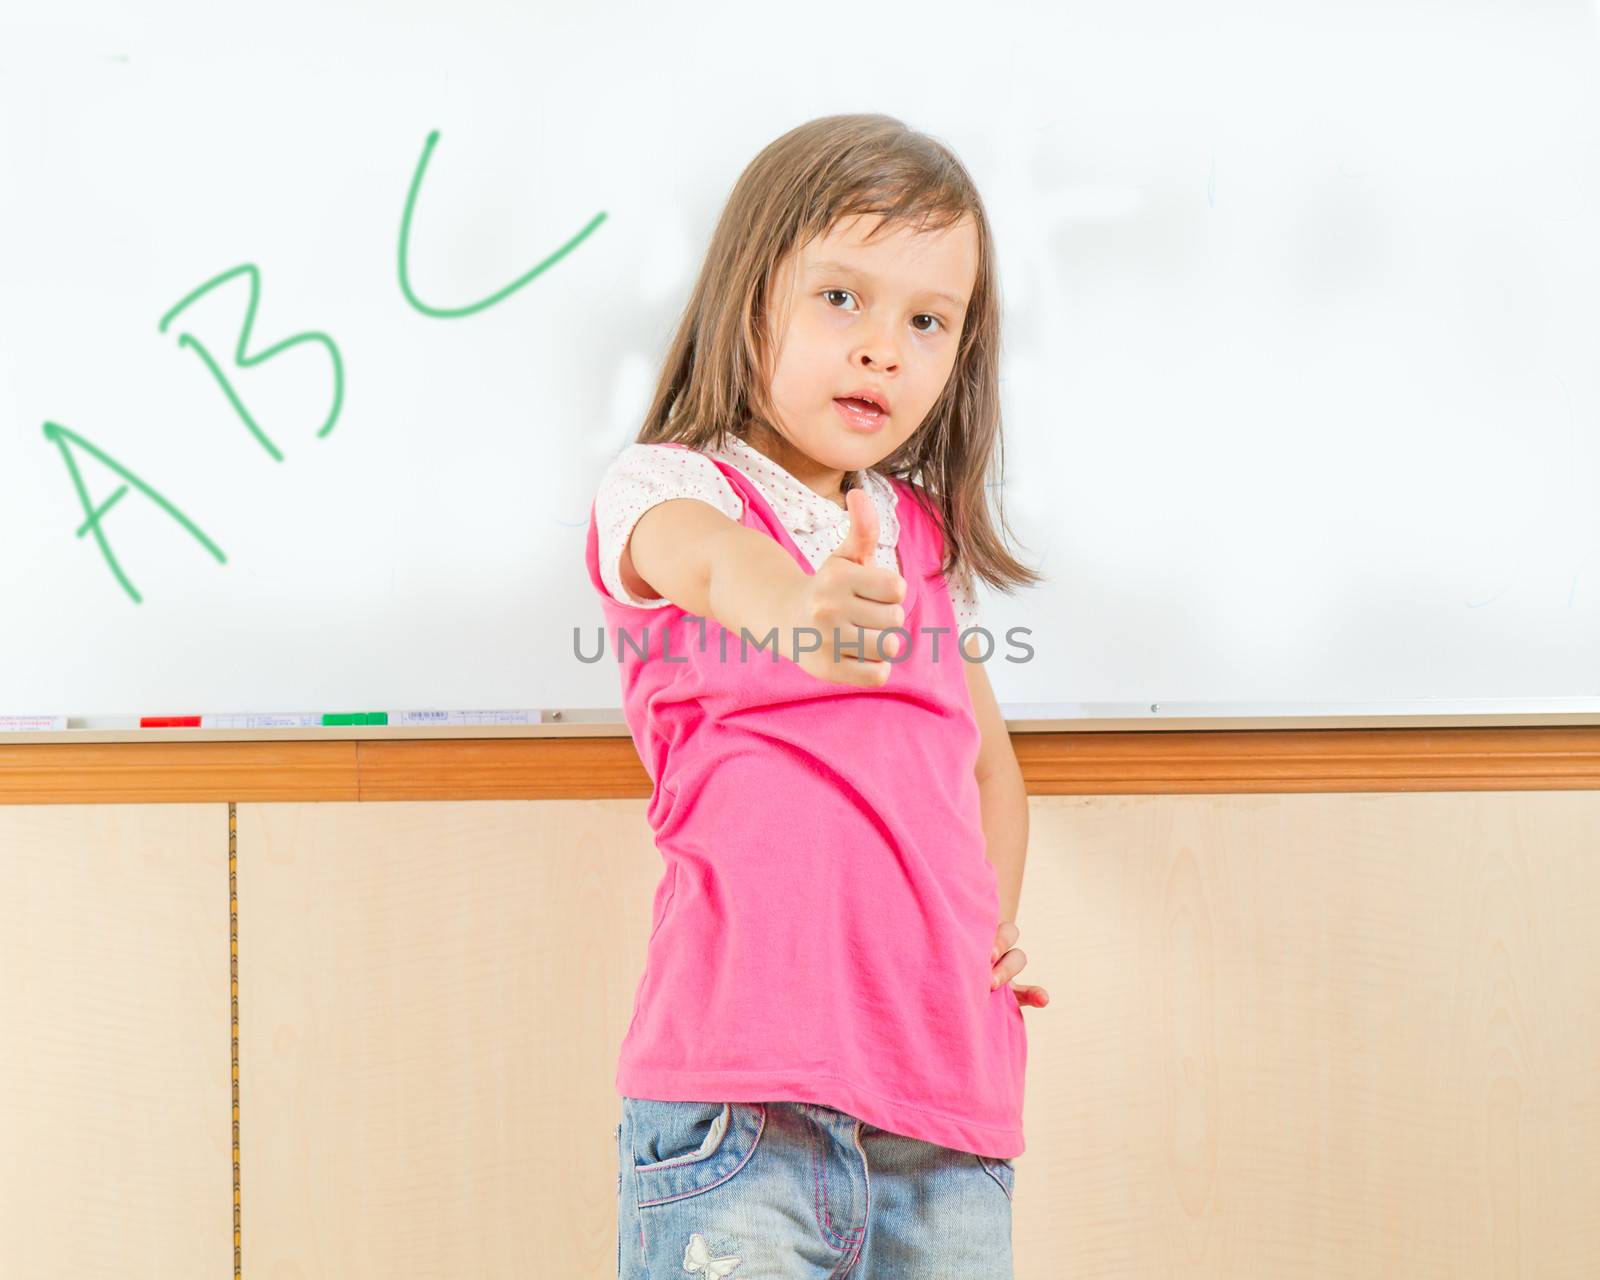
<point>822,929</point>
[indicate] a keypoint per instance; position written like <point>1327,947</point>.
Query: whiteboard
<point>1302,313</point>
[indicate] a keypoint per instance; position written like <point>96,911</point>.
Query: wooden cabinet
<point>1295,1035</point>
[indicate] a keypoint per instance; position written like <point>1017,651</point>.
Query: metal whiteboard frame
<point>1053,717</point>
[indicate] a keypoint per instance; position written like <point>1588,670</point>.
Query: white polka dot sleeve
<point>637,479</point>
<point>965,600</point>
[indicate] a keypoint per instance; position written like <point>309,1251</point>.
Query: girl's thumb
<point>861,542</point>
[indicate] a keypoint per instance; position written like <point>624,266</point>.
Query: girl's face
<point>852,315</point>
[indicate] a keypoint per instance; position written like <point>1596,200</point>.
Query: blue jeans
<point>793,1190</point>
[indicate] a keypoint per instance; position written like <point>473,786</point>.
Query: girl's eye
<point>923,316</point>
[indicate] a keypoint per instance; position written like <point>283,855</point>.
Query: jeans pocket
<point>682,1148</point>
<point>1002,1171</point>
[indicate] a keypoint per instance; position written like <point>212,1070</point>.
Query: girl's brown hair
<point>718,368</point>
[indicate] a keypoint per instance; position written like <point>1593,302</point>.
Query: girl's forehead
<point>867,234</point>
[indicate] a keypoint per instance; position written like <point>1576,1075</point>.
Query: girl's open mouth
<point>862,415</point>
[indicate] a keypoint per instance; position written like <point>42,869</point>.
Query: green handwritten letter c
<point>451,313</point>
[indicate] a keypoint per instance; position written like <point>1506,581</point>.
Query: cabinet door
<point>115,1097</point>
<point>432,995</point>
<point>1342,1036</point>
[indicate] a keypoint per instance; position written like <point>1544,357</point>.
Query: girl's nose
<point>880,353</point>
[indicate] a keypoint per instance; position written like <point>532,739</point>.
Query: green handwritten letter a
<point>94,516</point>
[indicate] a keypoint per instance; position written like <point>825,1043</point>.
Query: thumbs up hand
<point>848,591</point>
<point>860,545</point>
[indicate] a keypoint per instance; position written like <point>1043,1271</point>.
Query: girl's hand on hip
<point>1008,960</point>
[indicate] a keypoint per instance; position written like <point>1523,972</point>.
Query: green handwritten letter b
<point>244,361</point>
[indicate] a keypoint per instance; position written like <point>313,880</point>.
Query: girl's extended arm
<point>710,566</point>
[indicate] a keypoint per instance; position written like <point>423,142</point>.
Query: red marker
<point>169,722</point>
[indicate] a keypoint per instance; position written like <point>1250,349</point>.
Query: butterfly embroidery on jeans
<point>697,1257</point>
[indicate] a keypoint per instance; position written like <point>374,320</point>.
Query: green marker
<point>356,717</point>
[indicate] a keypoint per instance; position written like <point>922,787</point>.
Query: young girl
<point>824,1071</point>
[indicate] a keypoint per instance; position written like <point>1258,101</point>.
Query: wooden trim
<point>1165,762</point>
<point>177,772</point>
<point>1310,760</point>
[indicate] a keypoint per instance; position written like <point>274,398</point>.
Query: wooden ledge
<point>589,768</point>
